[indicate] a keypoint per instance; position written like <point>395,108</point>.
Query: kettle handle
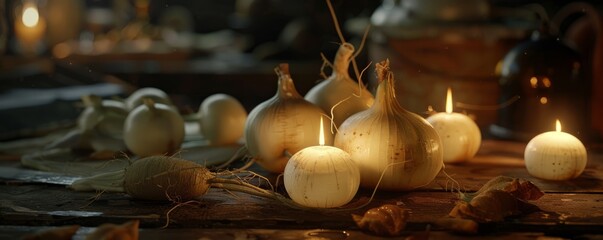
<point>596,55</point>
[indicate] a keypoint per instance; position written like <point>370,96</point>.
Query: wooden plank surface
<point>14,232</point>
<point>42,205</point>
<point>569,207</point>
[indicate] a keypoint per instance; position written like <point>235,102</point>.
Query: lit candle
<point>460,135</point>
<point>555,155</point>
<point>321,176</point>
<point>30,29</point>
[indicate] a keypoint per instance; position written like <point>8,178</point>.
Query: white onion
<point>222,119</point>
<point>390,140</point>
<point>340,90</point>
<point>153,129</point>
<point>282,125</point>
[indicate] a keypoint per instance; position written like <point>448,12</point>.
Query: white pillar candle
<point>460,135</point>
<point>321,176</point>
<point>555,155</point>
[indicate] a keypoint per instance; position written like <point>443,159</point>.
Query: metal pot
<point>433,45</point>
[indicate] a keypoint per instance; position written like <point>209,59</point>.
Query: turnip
<point>167,178</point>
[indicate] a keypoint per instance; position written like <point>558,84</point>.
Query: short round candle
<point>555,155</point>
<point>321,177</point>
<point>460,135</point>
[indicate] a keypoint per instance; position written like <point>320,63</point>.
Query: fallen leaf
<point>386,220</point>
<point>499,198</point>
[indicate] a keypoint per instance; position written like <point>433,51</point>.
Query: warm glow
<point>558,126</point>
<point>534,82</point>
<point>544,100</point>
<point>449,101</point>
<point>321,136</point>
<point>30,16</point>
<point>546,82</point>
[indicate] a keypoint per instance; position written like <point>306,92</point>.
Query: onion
<point>222,119</point>
<point>339,89</point>
<point>102,122</point>
<point>137,98</point>
<point>153,129</point>
<point>282,125</point>
<point>386,139</point>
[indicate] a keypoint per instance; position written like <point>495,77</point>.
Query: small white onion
<point>137,98</point>
<point>222,119</point>
<point>153,129</point>
<point>322,177</point>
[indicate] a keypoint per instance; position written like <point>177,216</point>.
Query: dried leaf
<point>489,206</point>
<point>109,231</point>
<point>499,198</point>
<point>57,233</point>
<point>522,189</point>
<point>387,220</point>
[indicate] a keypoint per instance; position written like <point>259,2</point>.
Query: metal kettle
<point>547,76</point>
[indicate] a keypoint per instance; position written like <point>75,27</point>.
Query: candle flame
<point>321,136</point>
<point>558,126</point>
<point>449,101</point>
<point>30,16</point>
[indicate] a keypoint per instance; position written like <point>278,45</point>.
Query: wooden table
<point>568,209</point>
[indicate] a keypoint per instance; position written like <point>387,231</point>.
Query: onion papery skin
<point>339,89</point>
<point>390,140</point>
<point>282,126</point>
